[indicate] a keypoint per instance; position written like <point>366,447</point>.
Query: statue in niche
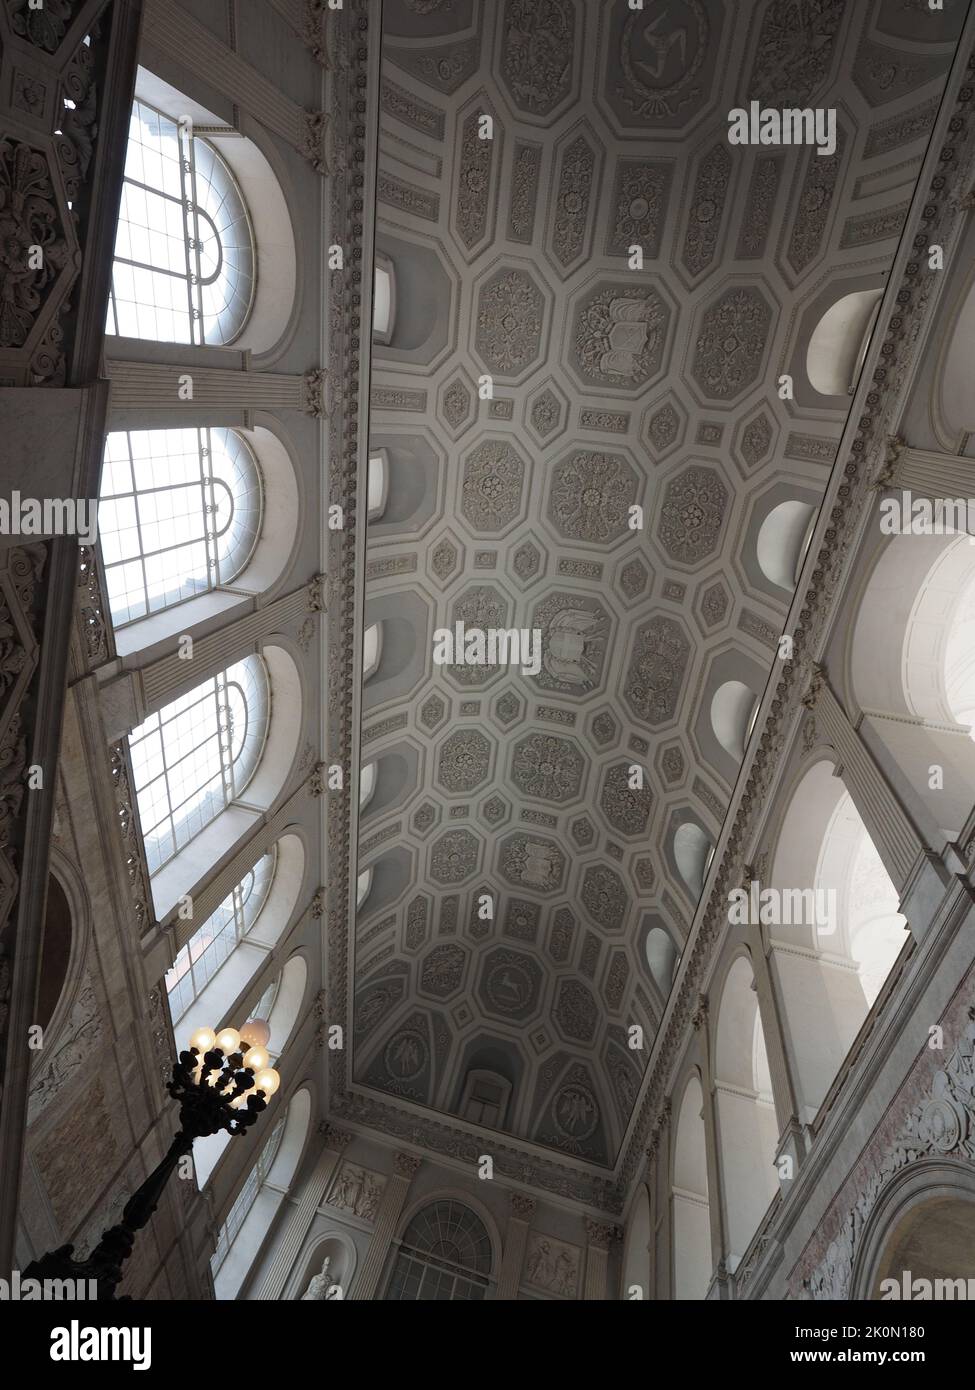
<point>321,1289</point>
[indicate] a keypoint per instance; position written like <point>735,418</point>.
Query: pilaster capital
<point>314,30</point>
<point>315,392</point>
<point>522,1206</point>
<point>601,1235</point>
<point>313,139</point>
<point>335,1138</point>
<point>406,1165</point>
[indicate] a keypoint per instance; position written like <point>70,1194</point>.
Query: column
<point>661,1214</point>
<point>155,386</point>
<point>394,1199</point>
<point>336,1141</point>
<point>521,1211</point>
<point>599,1239</point>
<point>893,832</point>
<point>716,1209</point>
<point>171,30</point>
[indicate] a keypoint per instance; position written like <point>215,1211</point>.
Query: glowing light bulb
<point>255,1033</point>
<point>203,1040</point>
<point>256,1058</point>
<point>267,1081</point>
<point>228,1041</point>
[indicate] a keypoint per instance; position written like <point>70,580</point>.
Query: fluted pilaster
<point>336,1141</point>
<point>522,1209</point>
<point>387,1219</point>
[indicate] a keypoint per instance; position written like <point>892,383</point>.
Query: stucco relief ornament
<point>314,139</point>
<point>509,322</point>
<point>536,56</point>
<point>547,767</point>
<point>619,339</point>
<point>573,648</point>
<point>315,393</point>
<point>575,1111</point>
<point>732,343</point>
<point>591,496</point>
<point>28,217</point>
<point>660,57</point>
<point>942,1124</point>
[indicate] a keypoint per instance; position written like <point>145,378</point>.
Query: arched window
<point>367,784</point>
<point>661,954</point>
<point>444,1255</point>
<point>784,540</point>
<point>247,1196</point>
<point>378,484</point>
<point>485,1100</point>
<point>748,1133</point>
<point>194,756</point>
<point>384,300</point>
<point>208,948</point>
<point>693,852</point>
<point>691,1209</point>
<point>838,932</point>
<point>180,512</point>
<point>363,886</point>
<point>184,268</point>
<point>840,341</point>
<point>372,650</point>
<point>253,1212</point>
<point>733,712</point>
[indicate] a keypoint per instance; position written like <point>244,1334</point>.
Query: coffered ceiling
<point>612,387</point>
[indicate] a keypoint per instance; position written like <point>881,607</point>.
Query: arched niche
<point>840,340</point>
<point>911,673</point>
<point>418,322</point>
<point>843,934</point>
<point>274,297</point>
<point>215,1003</point>
<point>747,1127</point>
<point>692,1262</point>
<point>636,1256</point>
<point>339,1250</point>
<point>268,562</point>
<point>262,1199</point>
<point>226,833</point>
<point>922,1225</point>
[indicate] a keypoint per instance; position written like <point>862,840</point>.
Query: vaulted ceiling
<point>612,386</point>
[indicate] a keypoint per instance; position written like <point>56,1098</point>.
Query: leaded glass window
<point>184,267</point>
<point>246,1196</point>
<point>194,756</point>
<point>180,512</point>
<point>211,944</point>
<point>444,1256</point>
